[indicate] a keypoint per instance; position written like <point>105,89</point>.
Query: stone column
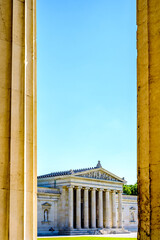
<point>107,209</point>
<point>148,118</point>
<point>86,210</point>
<point>114,214</point>
<point>100,208</point>
<point>18,151</point>
<point>93,208</point>
<point>78,207</point>
<point>120,209</point>
<point>70,206</point>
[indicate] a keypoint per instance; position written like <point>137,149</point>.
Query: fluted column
<point>120,209</point>
<point>107,208</point>
<point>86,210</point>
<point>18,160</point>
<point>93,208</point>
<point>70,206</point>
<point>114,215</point>
<point>78,207</point>
<point>100,208</point>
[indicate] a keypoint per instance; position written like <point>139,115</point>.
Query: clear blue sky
<point>87,85</point>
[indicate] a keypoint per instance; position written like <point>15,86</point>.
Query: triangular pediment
<point>46,204</point>
<point>100,174</point>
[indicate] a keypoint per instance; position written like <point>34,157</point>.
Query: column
<point>86,210</point>
<point>120,209</point>
<point>78,207</point>
<point>114,217</point>
<point>148,118</point>
<point>18,150</point>
<point>107,209</point>
<point>93,208</point>
<point>70,206</point>
<point>100,208</point>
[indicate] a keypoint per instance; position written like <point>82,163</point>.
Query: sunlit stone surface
<point>84,201</point>
<point>18,174</point>
<point>148,87</point>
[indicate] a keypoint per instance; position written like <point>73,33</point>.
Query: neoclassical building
<point>84,201</point>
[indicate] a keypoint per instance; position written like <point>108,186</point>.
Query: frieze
<point>98,175</point>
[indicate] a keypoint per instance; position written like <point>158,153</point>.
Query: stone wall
<point>47,200</point>
<point>56,201</point>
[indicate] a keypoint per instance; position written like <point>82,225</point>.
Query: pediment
<point>100,174</point>
<point>46,204</point>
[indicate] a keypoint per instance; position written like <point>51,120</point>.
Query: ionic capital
<point>78,187</point>
<point>107,190</point>
<point>70,186</point>
<point>93,189</point>
<point>120,191</point>
<point>100,189</point>
<point>113,191</point>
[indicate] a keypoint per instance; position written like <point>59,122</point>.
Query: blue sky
<point>86,73</point>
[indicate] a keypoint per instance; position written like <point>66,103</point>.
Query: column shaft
<point>148,119</point>
<point>114,213</point>
<point>78,208</point>
<point>18,150</point>
<point>93,208</point>
<point>107,209</point>
<point>70,206</point>
<point>100,207</point>
<point>120,209</point>
<point>86,219</point>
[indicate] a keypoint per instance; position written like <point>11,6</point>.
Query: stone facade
<point>84,201</point>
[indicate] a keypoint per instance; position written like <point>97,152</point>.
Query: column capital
<point>86,188</point>
<point>100,189</point>
<point>70,186</point>
<point>107,190</point>
<point>113,191</point>
<point>120,191</point>
<point>78,187</point>
<point>93,188</point>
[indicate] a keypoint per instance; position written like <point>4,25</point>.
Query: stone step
<point>92,231</point>
<point>78,232</point>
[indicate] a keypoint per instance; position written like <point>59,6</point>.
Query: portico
<point>87,198</point>
<point>88,203</point>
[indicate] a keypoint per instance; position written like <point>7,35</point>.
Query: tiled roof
<point>69,172</point>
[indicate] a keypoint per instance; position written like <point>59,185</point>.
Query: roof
<point>69,172</point>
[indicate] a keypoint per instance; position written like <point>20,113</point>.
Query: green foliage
<point>130,189</point>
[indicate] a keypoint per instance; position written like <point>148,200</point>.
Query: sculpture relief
<point>99,175</point>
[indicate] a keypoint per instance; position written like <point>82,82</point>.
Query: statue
<point>46,215</point>
<point>132,216</point>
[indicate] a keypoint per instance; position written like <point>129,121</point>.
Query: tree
<point>130,189</point>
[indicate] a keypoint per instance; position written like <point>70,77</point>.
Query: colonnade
<point>103,205</point>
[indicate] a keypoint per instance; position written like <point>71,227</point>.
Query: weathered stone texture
<point>18,173</point>
<point>148,87</point>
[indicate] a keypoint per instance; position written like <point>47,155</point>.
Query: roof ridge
<point>68,172</point>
